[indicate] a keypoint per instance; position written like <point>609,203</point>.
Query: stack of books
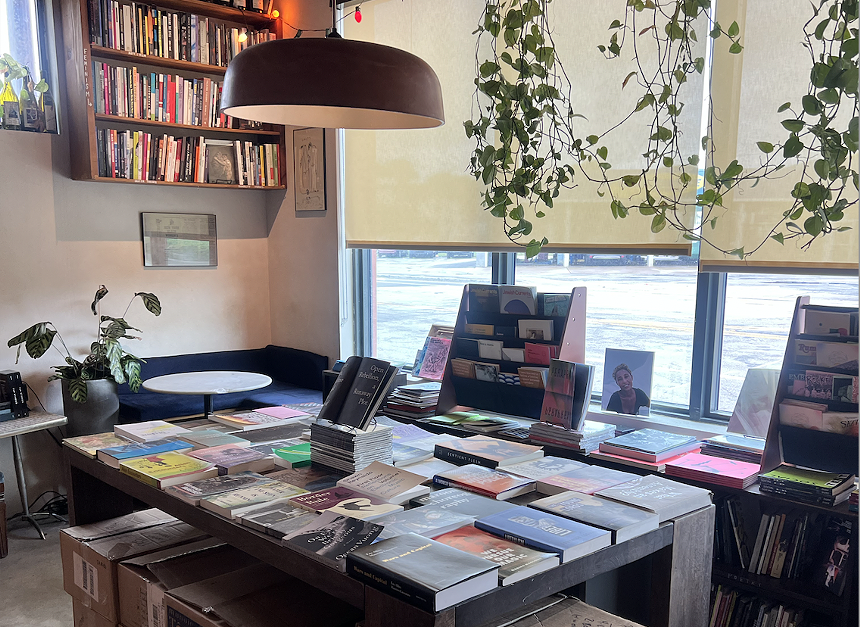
<point>744,448</point>
<point>348,448</point>
<point>585,440</point>
<point>646,448</point>
<point>853,499</point>
<point>715,470</point>
<point>808,486</point>
<point>414,402</point>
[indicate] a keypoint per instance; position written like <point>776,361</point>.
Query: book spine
<point>389,582</point>
<point>448,483</point>
<point>131,472</point>
<point>461,458</point>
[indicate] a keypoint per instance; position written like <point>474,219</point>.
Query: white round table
<point>207,383</point>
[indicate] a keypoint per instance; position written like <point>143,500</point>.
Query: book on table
<point>112,456</point>
<point>485,481</point>
<point>655,467</point>
<point>148,431</point>
<point>666,498</point>
<point>358,391</point>
<point>650,445</point>
<point>485,451</point>
<point>427,574</point>
<point>230,459</point>
<point>462,502</point>
<point>207,438</point>
<point>193,491</point>
<point>717,470</point>
<point>542,531</point>
<point>430,468</point>
<point>274,434</point>
<point>294,456</point>
<point>542,467</point>
<point>806,485</point>
<point>387,483</point>
<point>276,519</point>
<point>404,455</point>
<point>345,501</point>
<point>516,562</point>
<point>331,538</point>
<point>89,445</point>
<point>588,480</point>
<point>623,521</point>
<point>429,521</point>
<point>167,469</point>
<point>310,478</point>
<point>233,503</point>
<point>269,448</point>
<point>259,419</point>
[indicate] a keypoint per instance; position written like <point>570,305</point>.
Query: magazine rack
<point>516,400</point>
<point>830,452</point>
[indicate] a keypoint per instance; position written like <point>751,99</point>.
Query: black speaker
<point>14,392</point>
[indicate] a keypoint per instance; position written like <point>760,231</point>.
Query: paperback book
<point>387,483</point>
<point>485,481</point>
<point>331,537</point>
<point>231,504</point>
<point>276,519</point>
<point>259,419</point>
<point>623,521</point>
<point>666,498</point>
<point>542,467</point>
<point>462,502</point>
<point>112,456</point>
<point>719,471</point>
<point>230,459</point>
<point>149,431</point>
<point>167,469</point>
<point>89,445</point>
<point>295,456</point>
<point>588,480</point>
<point>358,391</point>
<point>193,491</point>
<point>345,501</point>
<point>485,451</point>
<point>649,445</point>
<point>307,477</point>
<point>426,521</point>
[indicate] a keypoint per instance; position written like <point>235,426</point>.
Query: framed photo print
<point>309,162</point>
<point>179,240</point>
<point>627,382</point>
<point>221,162</point>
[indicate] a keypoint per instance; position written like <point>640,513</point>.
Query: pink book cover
<point>538,353</point>
<point>557,409</point>
<point>714,465</point>
<point>560,377</point>
<point>435,358</point>
<point>227,455</point>
<point>326,499</point>
<point>280,412</point>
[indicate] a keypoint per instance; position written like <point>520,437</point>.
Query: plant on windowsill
<point>527,151</point>
<point>107,360</point>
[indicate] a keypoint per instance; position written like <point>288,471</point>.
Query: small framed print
<point>179,240</point>
<point>309,162</point>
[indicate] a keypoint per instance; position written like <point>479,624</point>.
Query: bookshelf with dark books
<point>145,107</point>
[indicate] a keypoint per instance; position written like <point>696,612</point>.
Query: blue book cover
<point>112,456</point>
<point>545,532</point>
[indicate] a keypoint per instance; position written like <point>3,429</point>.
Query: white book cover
<point>490,349</point>
<point>517,299</point>
<point>149,431</point>
<point>384,482</point>
<point>535,329</point>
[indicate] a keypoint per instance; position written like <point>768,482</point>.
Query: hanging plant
<point>529,169</point>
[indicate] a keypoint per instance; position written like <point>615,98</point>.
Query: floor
<point>31,579</point>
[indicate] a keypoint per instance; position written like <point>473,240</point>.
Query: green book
<point>293,456</point>
<point>787,475</point>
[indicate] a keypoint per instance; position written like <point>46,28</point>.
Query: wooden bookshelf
<point>83,122</point>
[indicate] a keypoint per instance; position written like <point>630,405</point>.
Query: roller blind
<point>410,189</point>
<point>747,91</point>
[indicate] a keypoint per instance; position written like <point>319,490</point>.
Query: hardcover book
<point>515,562</point>
<point>486,451</point>
<point>112,456</point>
<point>90,444</point>
<point>331,537</point>
<point>167,469</point>
<point>149,431</point>
<point>387,483</point>
<point>427,574</point>
<point>623,521</point>
<point>485,481</point>
<point>588,480</point>
<point>462,502</point>
<point>231,504</point>
<point>231,459</point>
<point>666,498</point>
<point>649,445</point>
<point>426,521</point>
<point>276,519</point>
<point>542,467</point>
<point>546,532</point>
<point>193,491</point>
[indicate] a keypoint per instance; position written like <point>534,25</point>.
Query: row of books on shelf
<point>147,30</point>
<point>817,416</point>
<point>731,607</point>
<point>817,385</point>
<point>530,353</point>
<point>142,156</point>
<point>826,354</point>
<point>514,299</point>
<point>127,92</point>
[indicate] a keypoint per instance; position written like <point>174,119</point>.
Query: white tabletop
<point>36,421</point>
<point>208,382</point>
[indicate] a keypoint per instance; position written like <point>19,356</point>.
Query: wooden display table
<point>680,564</point>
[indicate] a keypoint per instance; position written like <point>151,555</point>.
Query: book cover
<point>403,455</point>
<point>532,377</point>
<point>208,438</point>
<point>825,482</point>
<point>530,329</point>
<point>112,456</point>
<point>560,378</point>
<point>557,409</point>
<point>340,389</point>
<point>834,557</point>
<point>517,299</point>
<point>668,499</point>
<point>160,471</point>
<point>467,347</point>
<point>588,480</point>
<point>273,434</point>
<point>514,354</point>
<point>483,298</point>
<point>542,467</point>
<point>538,353</point>
<point>332,537</point>
<point>485,481</point>
<point>546,532</point>
<point>276,519</point>
<point>148,431</point>
<point>435,358</point>
<point>479,329</point>
<point>428,574</point>
<point>426,521</point>
<point>281,412</point>
<point>486,372</point>
<point>294,456</point>
<point>228,455</point>
<point>461,502</point>
<point>430,467</point>
<point>650,441</point>
<point>485,451</point>
<point>90,444</point>
<point>384,482</point>
<point>269,448</point>
<point>490,349</point>
<point>707,466</point>
<point>463,368</point>
<point>515,562</point>
<point>370,384</point>
<point>827,323</point>
<point>229,504</point>
<point>253,420</point>
<point>310,478</point>
<point>322,500</point>
<point>555,304</point>
<point>623,521</point>
<point>193,491</point>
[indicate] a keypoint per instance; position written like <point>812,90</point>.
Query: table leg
<point>92,500</point>
<point>207,405</point>
<point>22,486</point>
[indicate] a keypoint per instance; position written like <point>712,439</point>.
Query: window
<point>19,33</point>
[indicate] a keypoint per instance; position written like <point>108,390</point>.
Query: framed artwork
<point>221,162</point>
<point>309,164</point>
<point>179,240</point>
<point>627,381</point>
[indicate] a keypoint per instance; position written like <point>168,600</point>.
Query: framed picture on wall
<point>309,164</point>
<point>179,240</point>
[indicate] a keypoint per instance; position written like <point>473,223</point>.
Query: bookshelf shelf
<point>105,179</point>
<point>198,130</point>
<point>218,11</point>
<point>100,52</point>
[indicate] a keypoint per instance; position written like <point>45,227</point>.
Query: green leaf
<point>699,64</point>
<point>778,237</point>
<point>765,147</point>
<point>602,152</point>
<point>488,68</point>
<point>646,101</point>
<point>813,225</point>
<point>662,134</point>
<point>78,390</point>
<point>667,162</point>
<point>738,252</point>
<point>811,105</point>
<point>735,48</point>
<point>705,140</point>
<point>783,107</point>
<point>592,139</point>
<point>100,293</point>
<point>615,24</point>
<point>647,210</point>
<point>533,248</point>
<point>829,96</point>
<point>41,86</point>
<point>822,168</point>
<point>795,126</point>
<point>820,28</point>
<point>732,171</point>
<point>658,223</point>
<point>792,147</point>
<point>630,180</point>
<point>151,302</point>
<point>734,29</point>
<point>693,160</point>
<point>716,31</point>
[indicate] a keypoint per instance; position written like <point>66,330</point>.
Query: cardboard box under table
<point>85,617</point>
<point>90,554</point>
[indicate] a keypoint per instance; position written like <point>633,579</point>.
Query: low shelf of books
<point>144,100</point>
<point>502,344</point>
<point>788,545</point>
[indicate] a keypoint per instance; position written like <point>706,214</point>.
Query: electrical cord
<point>39,400</point>
<point>55,506</point>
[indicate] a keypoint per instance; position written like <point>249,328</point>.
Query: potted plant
<point>90,399</point>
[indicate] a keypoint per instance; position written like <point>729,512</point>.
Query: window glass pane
<point>19,34</point>
<point>759,308</point>
<point>414,289</point>
<point>634,302</point>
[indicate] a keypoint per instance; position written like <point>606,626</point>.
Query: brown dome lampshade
<point>332,83</point>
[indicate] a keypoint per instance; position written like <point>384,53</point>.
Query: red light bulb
<point>358,14</point>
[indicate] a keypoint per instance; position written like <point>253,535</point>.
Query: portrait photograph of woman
<point>627,378</point>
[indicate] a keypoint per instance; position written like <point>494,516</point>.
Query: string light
<point>358,14</point>
<point>243,37</point>
<point>275,15</point>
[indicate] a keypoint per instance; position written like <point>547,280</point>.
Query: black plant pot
<point>98,415</point>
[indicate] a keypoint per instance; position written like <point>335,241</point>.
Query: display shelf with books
<point>144,89</point>
<point>503,343</point>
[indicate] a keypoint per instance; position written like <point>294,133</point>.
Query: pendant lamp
<point>331,82</point>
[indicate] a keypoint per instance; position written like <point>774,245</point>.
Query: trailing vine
<point>527,151</point>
